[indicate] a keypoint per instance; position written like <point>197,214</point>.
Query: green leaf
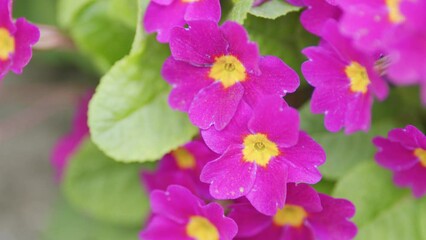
<point>383,210</point>
<point>129,117</point>
<point>240,10</point>
<point>273,9</point>
<point>422,218</point>
<point>69,9</point>
<point>66,223</point>
<point>104,189</point>
<point>101,37</point>
<point>125,11</point>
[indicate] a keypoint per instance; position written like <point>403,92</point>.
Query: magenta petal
<point>226,226</point>
<point>317,14</point>
<point>240,46</point>
<point>189,45</point>
<point>163,18</point>
<point>410,137</point>
<point>156,230</point>
<point>276,78</point>
<point>358,115</point>
<point>163,2</point>
<point>302,233</point>
<point>250,221</point>
<point>215,105</point>
<point>303,160</point>
<point>272,116</point>
<point>333,222</point>
<point>333,103</point>
<point>414,177</point>
<point>26,36</point>
<point>229,176</point>
<point>324,68</point>
<point>176,204</point>
<point>219,141</point>
<point>186,80</point>
<point>268,193</point>
<point>204,10</point>
<point>6,15</point>
<point>303,195</point>
<point>393,155</point>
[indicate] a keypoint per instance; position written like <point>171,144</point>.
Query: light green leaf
<point>273,9</point>
<point>240,10</point>
<point>101,37</point>
<point>66,223</point>
<point>383,210</point>
<point>129,117</point>
<point>422,218</point>
<point>125,11</point>
<point>69,9</point>
<point>104,189</point>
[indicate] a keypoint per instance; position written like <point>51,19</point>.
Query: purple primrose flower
<point>16,39</point>
<point>178,214</point>
<point>213,69</point>
<point>404,153</point>
<point>306,215</point>
<point>261,150</point>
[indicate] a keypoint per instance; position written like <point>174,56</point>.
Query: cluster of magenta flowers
<point>252,156</point>
<point>248,174</point>
<point>16,40</point>
<point>365,45</point>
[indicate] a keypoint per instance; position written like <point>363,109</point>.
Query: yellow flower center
<point>228,70</point>
<point>259,149</point>
<point>421,154</point>
<point>7,44</point>
<point>291,215</point>
<point>358,77</point>
<point>184,159</point>
<point>200,228</point>
<point>395,15</point>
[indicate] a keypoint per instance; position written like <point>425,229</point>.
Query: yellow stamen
<point>200,228</point>
<point>228,70</point>
<point>184,159</point>
<point>7,44</point>
<point>358,77</point>
<point>291,215</point>
<point>420,153</point>
<point>395,15</point>
<point>259,149</point>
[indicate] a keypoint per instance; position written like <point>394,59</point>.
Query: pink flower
<point>404,152</point>
<point>213,69</point>
<point>345,82</point>
<point>261,150</point>
<point>16,40</point>
<point>178,214</point>
<point>406,48</point>
<point>183,167</point>
<point>394,27</point>
<point>67,145</point>
<point>163,15</point>
<point>306,215</point>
